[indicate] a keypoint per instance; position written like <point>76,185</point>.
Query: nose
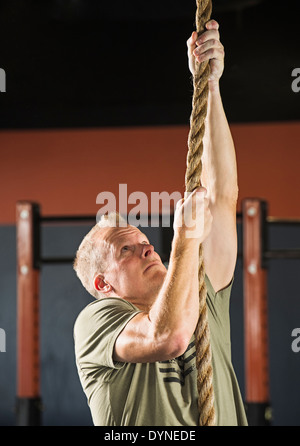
<point>147,250</point>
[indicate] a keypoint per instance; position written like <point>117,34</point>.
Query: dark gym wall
<point>65,170</point>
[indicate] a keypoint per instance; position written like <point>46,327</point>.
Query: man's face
<point>134,269</point>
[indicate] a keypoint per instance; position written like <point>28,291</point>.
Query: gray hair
<point>91,257</point>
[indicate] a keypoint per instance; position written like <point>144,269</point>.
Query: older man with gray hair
<point>134,345</point>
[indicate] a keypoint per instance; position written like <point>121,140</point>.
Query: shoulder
<point>102,305</point>
<point>102,312</point>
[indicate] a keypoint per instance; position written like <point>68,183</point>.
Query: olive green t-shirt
<point>163,393</point>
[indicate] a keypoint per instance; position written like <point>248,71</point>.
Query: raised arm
<point>165,331</point>
<point>219,171</point>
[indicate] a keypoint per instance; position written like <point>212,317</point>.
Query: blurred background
<point>99,94</point>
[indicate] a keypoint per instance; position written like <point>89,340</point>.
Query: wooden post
<point>28,361</point>
<point>257,392</point>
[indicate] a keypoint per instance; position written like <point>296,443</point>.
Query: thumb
<point>179,202</point>
<point>191,42</point>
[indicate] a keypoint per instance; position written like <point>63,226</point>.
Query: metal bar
<point>282,254</point>
<point>58,260</point>
<point>255,309</point>
<point>68,218</point>
<point>283,221</point>
<point>28,359</point>
<point>92,218</point>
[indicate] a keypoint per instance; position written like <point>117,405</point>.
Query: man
<point>134,344</point>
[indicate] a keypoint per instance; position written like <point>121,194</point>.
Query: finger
<point>212,24</point>
<point>207,35</point>
<point>212,43</point>
<point>212,53</point>
<point>195,191</point>
<point>179,203</point>
<point>188,196</point>
<point>200,193</point>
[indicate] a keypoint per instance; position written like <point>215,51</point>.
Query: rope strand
<point>192,181</point>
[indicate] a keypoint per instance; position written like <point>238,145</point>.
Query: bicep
<point>220,247</point>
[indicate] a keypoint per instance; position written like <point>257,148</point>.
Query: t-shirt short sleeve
<point>226,291</point>
<point>97,328</point>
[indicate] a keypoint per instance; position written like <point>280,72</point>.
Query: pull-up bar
<point>28,356</point>
<point>255,255</point>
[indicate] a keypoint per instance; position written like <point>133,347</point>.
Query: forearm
<point>219,170</point>
<point>165,331</point>
<point>176,310</point>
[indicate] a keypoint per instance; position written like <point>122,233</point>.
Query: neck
<point>142,302</point>
<point>143,305</point>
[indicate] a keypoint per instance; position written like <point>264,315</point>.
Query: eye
<point>125,248</point>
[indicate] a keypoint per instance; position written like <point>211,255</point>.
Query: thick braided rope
<point>192,181</point>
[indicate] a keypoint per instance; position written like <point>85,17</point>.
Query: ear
<point>101,285</point>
